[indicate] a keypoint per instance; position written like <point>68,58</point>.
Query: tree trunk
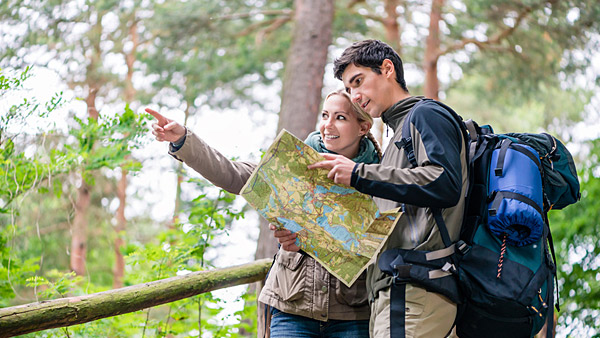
<point>82,202</point>
<point>301,92</point>
<point>90,101</point>
<point>391,25</point>
<point>432,49</point>
<point>63,312</point>
<point>120,229</point>
<point>305,66</point>
<point>179,180</point>
<point>179,172</point>
<point>302,82</point>
<point>79,230</point>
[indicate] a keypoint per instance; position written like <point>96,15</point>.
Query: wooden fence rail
<point>69,311</point>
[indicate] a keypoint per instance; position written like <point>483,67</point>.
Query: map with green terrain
<point>336,225</point>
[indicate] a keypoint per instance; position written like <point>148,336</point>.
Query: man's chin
<point>374,113</point>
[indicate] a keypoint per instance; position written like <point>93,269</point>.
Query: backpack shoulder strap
<point>406,144</point>
<point>406,141</point>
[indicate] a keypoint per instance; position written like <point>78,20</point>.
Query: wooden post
<point>18,320</point>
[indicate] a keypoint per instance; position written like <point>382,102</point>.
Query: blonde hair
<point>361,115</point>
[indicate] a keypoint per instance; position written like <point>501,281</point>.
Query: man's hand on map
<point>286,238</point>
<point>166,129</point>
<point>340,168</point>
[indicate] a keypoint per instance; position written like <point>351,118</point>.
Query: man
<point>372,73</point>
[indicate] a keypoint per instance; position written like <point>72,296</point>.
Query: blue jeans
<point>285,325</point>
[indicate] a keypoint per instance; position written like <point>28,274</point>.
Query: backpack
<point>504,263</point>
<point>507,272</point>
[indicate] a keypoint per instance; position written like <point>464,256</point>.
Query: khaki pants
<point>428,314</point>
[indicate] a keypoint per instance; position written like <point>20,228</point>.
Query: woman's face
<point>340,129</point>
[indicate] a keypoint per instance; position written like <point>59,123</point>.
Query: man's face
<point>367,88</point>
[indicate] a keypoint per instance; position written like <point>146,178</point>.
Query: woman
<point>305,299</point>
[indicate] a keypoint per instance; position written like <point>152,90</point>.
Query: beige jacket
<point>296,284</point>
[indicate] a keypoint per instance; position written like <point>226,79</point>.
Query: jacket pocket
<point>290,277</point>
<point>415,300</point>
<point>356,295</point>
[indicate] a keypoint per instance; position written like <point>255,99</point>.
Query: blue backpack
<point>503,267</point>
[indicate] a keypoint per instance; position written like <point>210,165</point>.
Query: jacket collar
<point>366,152</point>
<point>396,112</point>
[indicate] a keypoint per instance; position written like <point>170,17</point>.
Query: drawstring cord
<point>502,252</point>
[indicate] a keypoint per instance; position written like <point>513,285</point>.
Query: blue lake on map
<point>289,224</point>
<point>336,189</point>
<point>306,205</point>
<point>340,233</point>
<point>274,188</point>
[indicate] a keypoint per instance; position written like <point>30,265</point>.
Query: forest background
<point>89,202</point>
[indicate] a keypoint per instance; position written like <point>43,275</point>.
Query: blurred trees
<point>576,232</point>
<point>518,65</point>
<point>75,39</point>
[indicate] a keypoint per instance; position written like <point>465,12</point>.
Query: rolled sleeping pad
<point>515,194</point>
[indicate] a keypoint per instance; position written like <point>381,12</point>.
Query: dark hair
<point>369,53</point>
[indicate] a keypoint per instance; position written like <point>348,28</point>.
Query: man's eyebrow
<point>354,77</point>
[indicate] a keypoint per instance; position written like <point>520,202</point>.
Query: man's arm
<point>435,182</point>
<point>340,167</point>
<point>438,178</point>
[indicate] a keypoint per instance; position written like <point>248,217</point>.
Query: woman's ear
<point>364,128</point>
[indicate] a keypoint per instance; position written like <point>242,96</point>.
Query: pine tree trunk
<point>79,230</point>
<point>179,172</point>
<point>83,199</point>
<point>120,229</point>
<point>302,83</point>
<point>305,66</point>
<point>301,92</point>
<point>177,209</point>
<point>391,25</point>
<point>432,49</point>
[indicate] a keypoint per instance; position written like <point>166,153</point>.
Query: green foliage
<point>214,52</point>
<point>173,251</point>
<point>549,108</point>
<point>18,113</point>
<point>183,247</point>
<point>26,175</point>
<point>117,136</point>
<point>13,272</point>
<point>576,231</point>
<point>64,284</point>
<point>541,46</point>
<point>217,53</point>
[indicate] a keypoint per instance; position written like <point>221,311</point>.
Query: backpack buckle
<point>449,267</point>
<point>401,273</point>
<point>463,247</point>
